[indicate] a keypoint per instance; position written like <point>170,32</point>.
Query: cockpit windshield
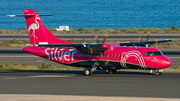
<point>151,53</point>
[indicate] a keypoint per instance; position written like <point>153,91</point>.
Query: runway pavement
<point>33,97</point>
<point>122,84</point>
<point>119,37</point>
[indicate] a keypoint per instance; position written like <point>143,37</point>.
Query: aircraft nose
<point>167,62</point>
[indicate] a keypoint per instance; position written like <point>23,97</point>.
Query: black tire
<point>88,72</point>
<point>158,73</point>
<point>112,71</point>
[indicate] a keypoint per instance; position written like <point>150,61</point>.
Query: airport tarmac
<point>123,85</point>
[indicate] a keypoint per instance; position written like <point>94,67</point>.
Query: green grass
<point>14,43</point>
<point>173,29</point>
<point>28,66</point>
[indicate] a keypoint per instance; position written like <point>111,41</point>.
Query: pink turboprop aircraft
<point>91,56</point>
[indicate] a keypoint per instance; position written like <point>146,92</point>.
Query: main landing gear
<point>88,71</point>
<point>112,71</point>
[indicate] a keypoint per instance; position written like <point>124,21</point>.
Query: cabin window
<point>81,54</point>
<point>116,55</point>
<point>119,55</point>
<point>109,55</point>
<point>84,54</point>
<point>112,55</point>
<point>151,53</point>
<point>105,55</point>
<point>77,54</point>
<point>91,55</point>
<point>87,54</point>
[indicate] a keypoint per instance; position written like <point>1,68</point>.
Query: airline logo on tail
<point>33,27</point>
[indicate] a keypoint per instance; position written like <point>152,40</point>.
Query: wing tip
<point>11,15</point>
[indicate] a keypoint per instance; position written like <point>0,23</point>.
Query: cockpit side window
<point>151,53</point>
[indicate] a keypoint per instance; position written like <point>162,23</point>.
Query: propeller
<point>102,49</point>
<point>156,41</point>
<point>104,38</point>
<point>139,40</point>
<point>148,35</point>
<point>147,38</point>
<point>96,38</point>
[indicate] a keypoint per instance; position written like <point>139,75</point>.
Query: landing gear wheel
<point>158,73</point>
<point>88,72</point>
<point>112,71</point>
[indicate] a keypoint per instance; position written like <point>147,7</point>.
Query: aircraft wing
<point>70,45</point>
<point>87,48</point>
<point>143,43</point>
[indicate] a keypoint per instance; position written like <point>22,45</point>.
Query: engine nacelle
<point>90,49</point>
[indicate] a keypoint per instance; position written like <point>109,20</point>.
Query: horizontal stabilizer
<point>29,15</point>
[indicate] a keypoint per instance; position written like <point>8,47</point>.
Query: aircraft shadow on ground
<point>64,72</point>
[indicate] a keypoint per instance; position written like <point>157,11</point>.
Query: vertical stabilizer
<point>38,33</point>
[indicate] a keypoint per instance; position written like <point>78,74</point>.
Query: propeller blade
<point>91,50</point>
<point>106,35</point>
<point>96,63</point>
<point>96,38</point>
<point>156,41</point>
<point>139,38</point>
<point>106,62</point>
<point>104,38</point>
<point>101,49</point>
<point>148,34</point>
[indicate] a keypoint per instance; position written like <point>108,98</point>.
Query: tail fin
<point>38,33</point>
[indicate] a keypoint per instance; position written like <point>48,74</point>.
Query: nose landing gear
<point>158,72</point>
